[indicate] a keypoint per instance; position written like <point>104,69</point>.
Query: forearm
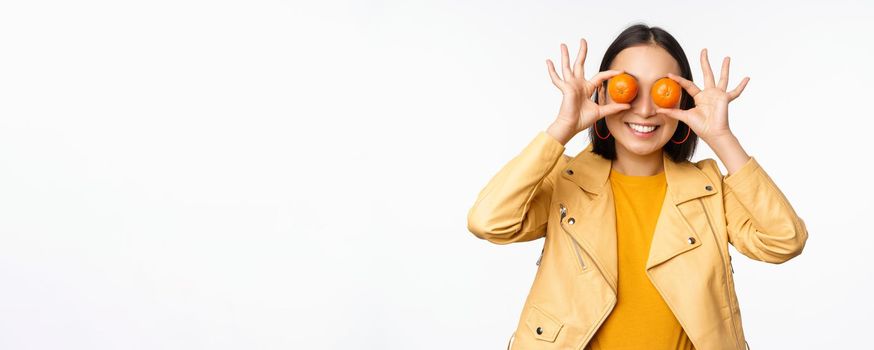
<point>730,152</point>
<point>760,221</point>
<point>514,205</point>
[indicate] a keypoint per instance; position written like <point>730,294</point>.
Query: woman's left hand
<point>709,118</point>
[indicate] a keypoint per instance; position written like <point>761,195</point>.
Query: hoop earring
<point>688,131</point>
<point>599,134</point>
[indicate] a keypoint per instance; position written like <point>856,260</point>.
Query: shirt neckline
<point>637,180</point>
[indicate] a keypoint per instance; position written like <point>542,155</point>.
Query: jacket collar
<point>685,181</point>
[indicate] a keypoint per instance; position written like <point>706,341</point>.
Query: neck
<point>632,164</point>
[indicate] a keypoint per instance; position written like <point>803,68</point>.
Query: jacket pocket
<point>542,325</point>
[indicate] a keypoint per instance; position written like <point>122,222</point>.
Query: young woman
<point>635,253</point>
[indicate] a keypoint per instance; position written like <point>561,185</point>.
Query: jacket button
<point>571,221</point>
<point>539,330</point>
<point>569,171</point>
<point>708,187</point>
<point>691,240</point>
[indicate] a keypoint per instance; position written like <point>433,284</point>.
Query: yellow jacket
<point>568,200</point>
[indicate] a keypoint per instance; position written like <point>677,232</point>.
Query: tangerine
<point>666,93</point>
<point>622,88</point>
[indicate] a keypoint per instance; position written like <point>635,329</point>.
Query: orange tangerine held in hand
<point>622,88</point>
<point>666,93</point>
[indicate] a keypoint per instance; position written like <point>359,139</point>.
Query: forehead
<point>647,63</point>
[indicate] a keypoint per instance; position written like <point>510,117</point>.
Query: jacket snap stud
<point>539,330</point>
<point>571,221</point>
<point>562,210</point>
<point>569,172</point>
<point>708,187</point>
<point>691,240</point>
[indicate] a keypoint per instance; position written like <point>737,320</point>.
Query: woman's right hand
<point>578,111</point>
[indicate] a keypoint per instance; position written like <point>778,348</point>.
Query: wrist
<point>730,152</point>
<point>721,141</point>
<point>561,131</point>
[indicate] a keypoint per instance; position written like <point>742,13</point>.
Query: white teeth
<point>641,128</point>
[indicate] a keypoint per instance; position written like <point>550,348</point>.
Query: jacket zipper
<point>727,291</point>
<point>609,309</point>
<point>574,243</point>
<point>579,255</point>
<point>577,248</point>
<point>730,264</point>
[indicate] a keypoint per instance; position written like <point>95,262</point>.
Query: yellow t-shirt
<point>641,319</point>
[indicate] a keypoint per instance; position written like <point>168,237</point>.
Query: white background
<point>278,175</point>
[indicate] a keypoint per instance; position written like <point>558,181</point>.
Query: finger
<point>733,94</point>
<point>581,59</point>
<point>566,72</point>
<point>552,74</point>
<point>723,76</point>
<point>599,78</point>
<point>688,85</point>
<point>679,114</point>
<point>612,108</point>
<point>705,67</point>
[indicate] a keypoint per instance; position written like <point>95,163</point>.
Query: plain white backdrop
<point>290,175</point>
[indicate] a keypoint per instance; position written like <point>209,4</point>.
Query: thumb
<point>612,108</point>
<point>679,114</point>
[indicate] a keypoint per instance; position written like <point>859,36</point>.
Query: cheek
<point>671,128</point>
<point>614,122</point>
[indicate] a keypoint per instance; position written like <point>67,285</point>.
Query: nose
<point>643,104</point>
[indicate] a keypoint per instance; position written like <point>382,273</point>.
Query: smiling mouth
<point>641,129</point>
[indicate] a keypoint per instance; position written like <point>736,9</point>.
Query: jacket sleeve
<point>760,221</point>
<point>514,205</point>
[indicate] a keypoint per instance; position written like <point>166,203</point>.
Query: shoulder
<point>709,167</point>
<point>706,163</point>
<point>561,164</point>
<point>563,161</point>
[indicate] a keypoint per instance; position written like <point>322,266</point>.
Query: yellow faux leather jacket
<point>568,200</point>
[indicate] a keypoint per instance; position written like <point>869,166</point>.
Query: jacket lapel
<point>680,219</point>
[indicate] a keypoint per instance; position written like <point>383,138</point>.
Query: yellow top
<point>641,319</point>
